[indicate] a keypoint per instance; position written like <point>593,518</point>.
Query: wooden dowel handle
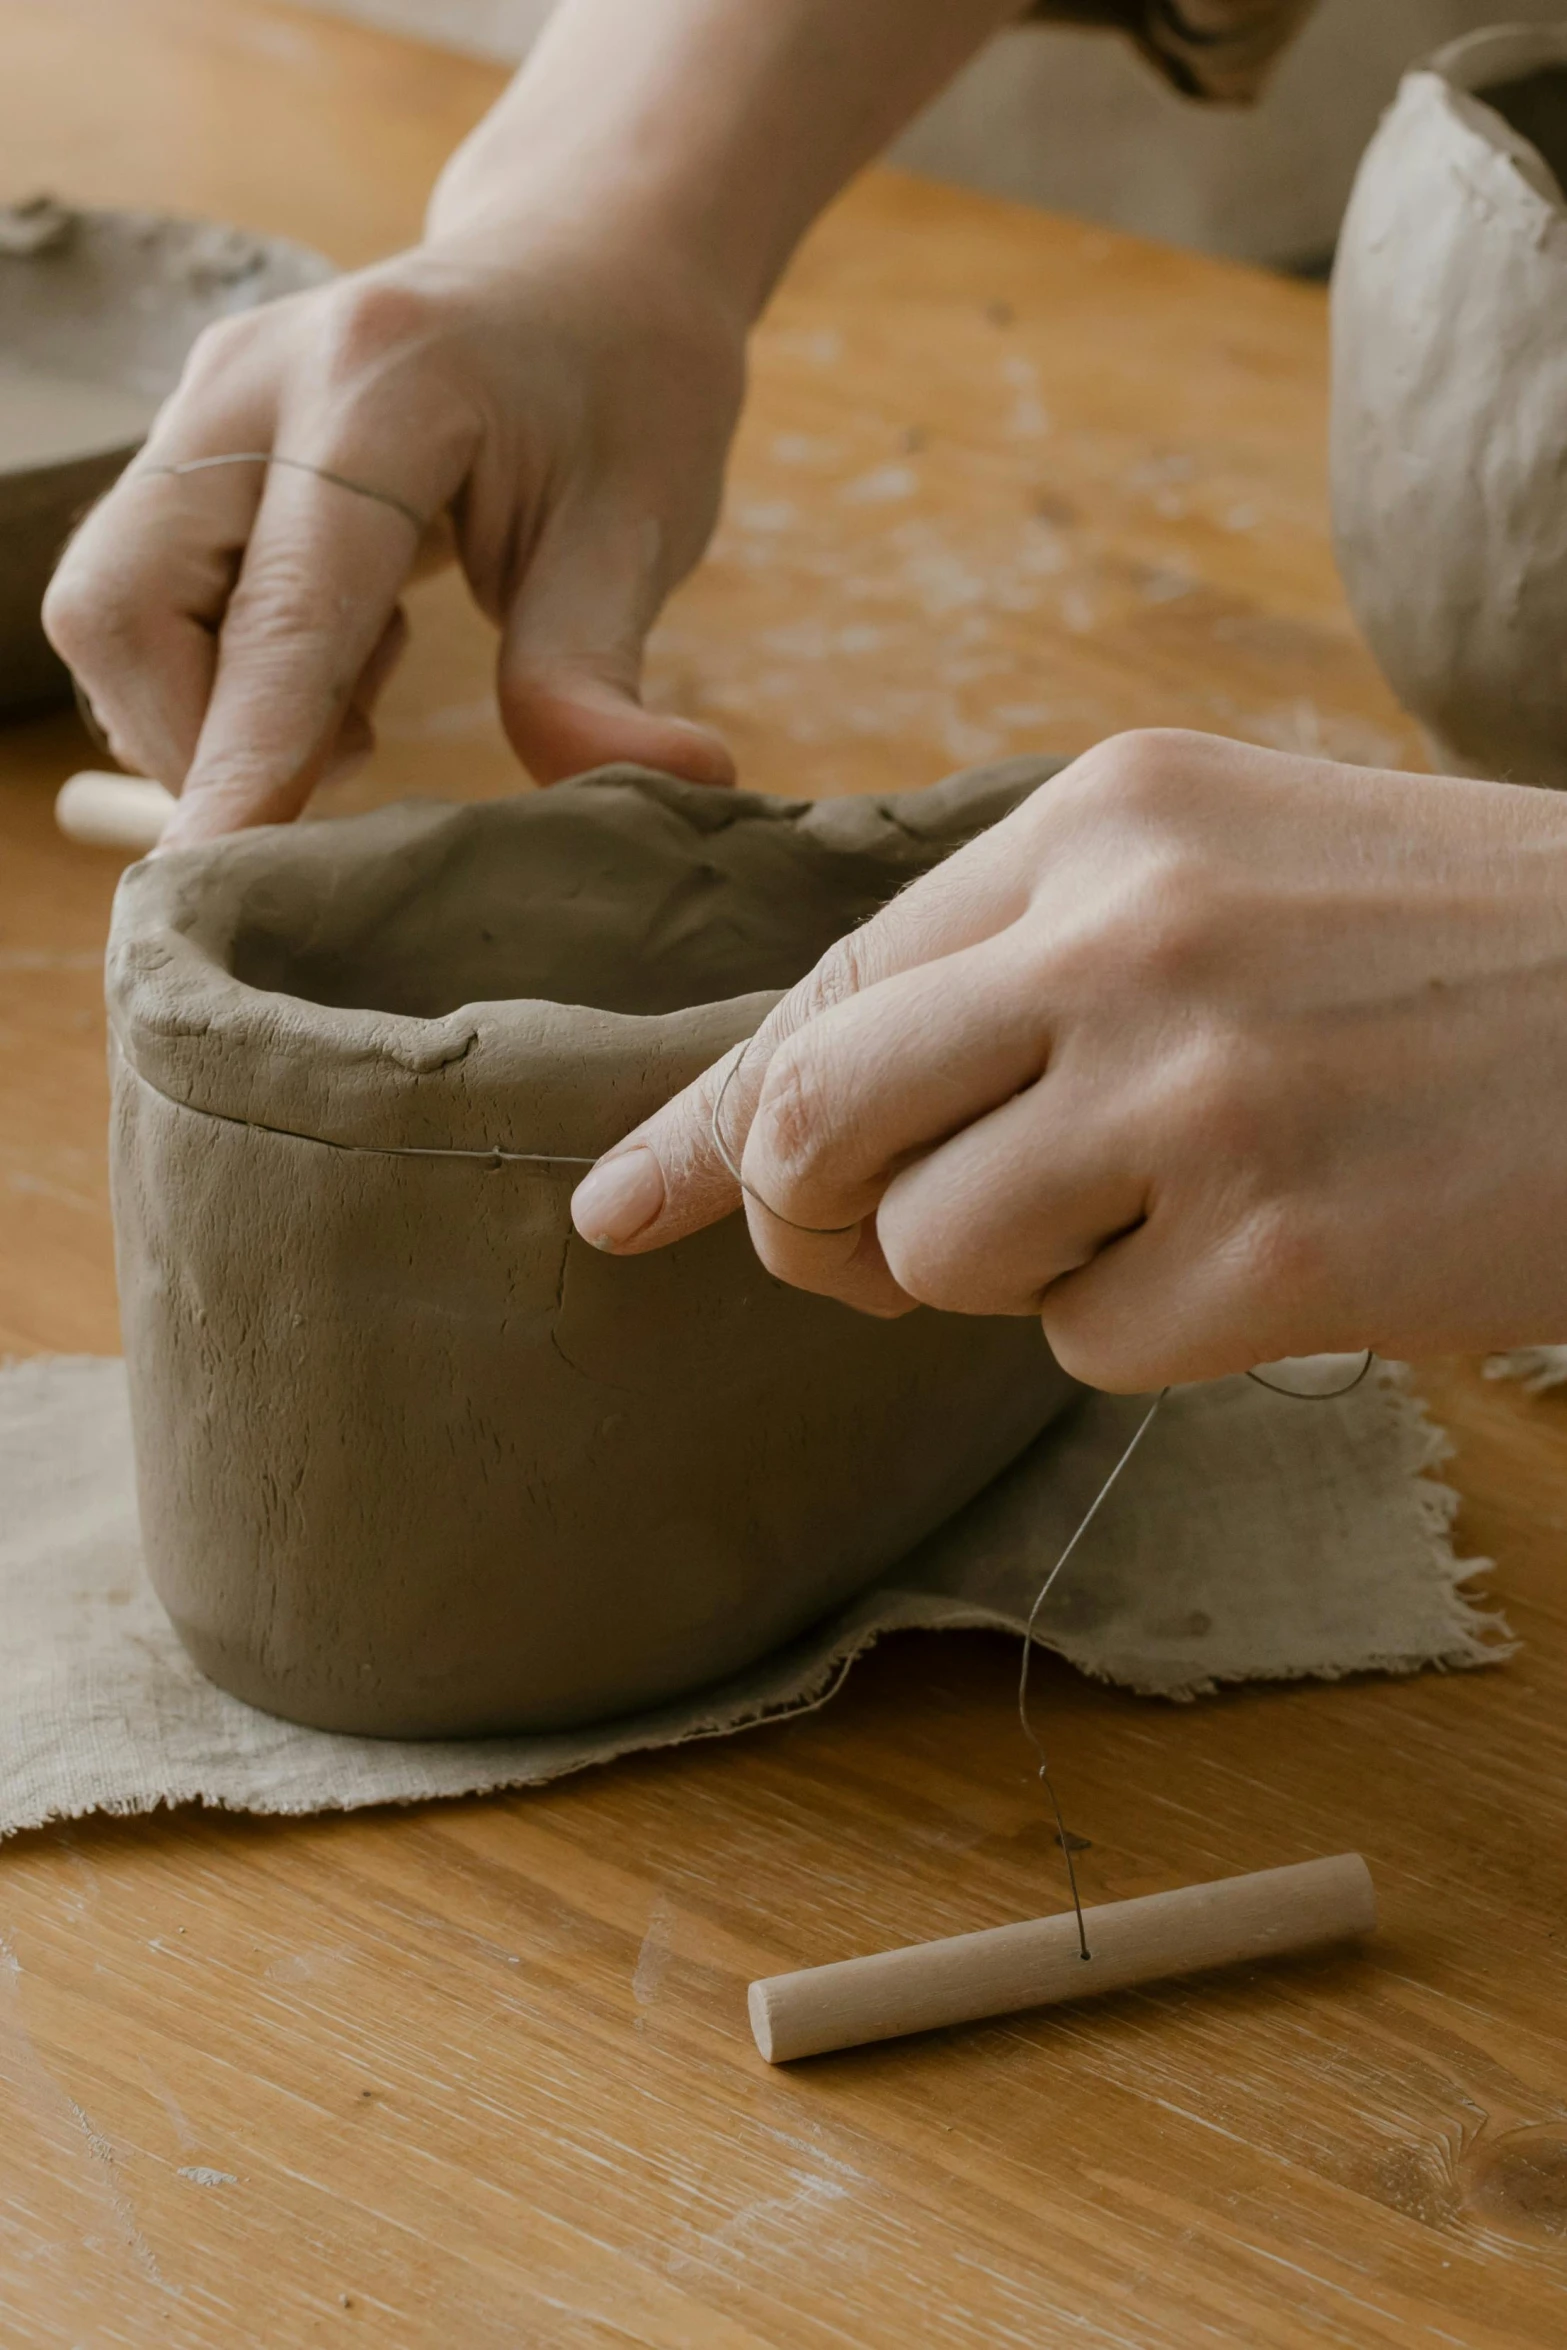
<point>1035,1963</point>
<point>113,811</point>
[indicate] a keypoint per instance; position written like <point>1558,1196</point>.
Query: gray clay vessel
<point>113,299</point>
<point>1449,442</point>
<point>413,1460</point>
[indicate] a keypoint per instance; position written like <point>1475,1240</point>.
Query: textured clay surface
<point>1450,402</point>
<point>411,1458</point>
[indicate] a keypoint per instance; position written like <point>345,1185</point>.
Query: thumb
<point>570,666</point>
<point>679,1171</point>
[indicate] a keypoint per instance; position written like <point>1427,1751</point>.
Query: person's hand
<point>561,418</point>
<point>1206,1055</point>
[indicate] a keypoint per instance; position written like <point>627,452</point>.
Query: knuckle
<point>1225,1112</point>
<point>1089,1348</point>
<point>284,610</point>
<point>1171,933</point>
<point>1238,1102</point>
<point>794,1116</point>
<point>931,1256</point>
<point>1145,772</point>
<point>1283,1255</point>
<point>1161,930</point>
<point>222,347</point>
<point>72,613</point>
<point>841,973</point>
<point>371,318</point>
<point>1166,904</point>
<point>87,619</point>
<point>923,1263</point>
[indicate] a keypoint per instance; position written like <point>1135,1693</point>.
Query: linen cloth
<point>1251,1538</point>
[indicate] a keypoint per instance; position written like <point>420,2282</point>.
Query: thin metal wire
<point>836,1231</point>
<point>366,1150</point>
<point>361,489</point>
<point>1094,1507</point>
<point>1293,1395</point>
<point>341,481</point>
<point>1317,1394</point>
<point>788,1709</point>
<point>816,1231</point>
<point>574,1159</point>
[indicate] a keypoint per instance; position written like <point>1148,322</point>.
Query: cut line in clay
<point>379,1150</point>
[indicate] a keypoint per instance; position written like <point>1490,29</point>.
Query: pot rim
<point>518,1076</point>
<point>1454,80</point>
<point>521,1076</point>
<point>1496,53</point>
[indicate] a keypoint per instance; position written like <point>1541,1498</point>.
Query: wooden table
<point>478,2077</point>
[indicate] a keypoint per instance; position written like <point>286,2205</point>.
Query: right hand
<point>1205,1054</point>
<point>561,415</point>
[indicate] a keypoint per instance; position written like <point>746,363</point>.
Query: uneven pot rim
<point>1497,53</point>
<point>522,1075</point>
<point>1456,78</point>
<point>519,1075</point>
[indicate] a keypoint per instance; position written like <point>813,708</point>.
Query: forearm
<point>720,128</point>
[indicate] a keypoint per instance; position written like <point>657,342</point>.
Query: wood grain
<point>1067,1957</point>
<point>478,2077</point>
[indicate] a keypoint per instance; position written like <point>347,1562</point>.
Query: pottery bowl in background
<point>97,313</point>
<point>1449,437</point>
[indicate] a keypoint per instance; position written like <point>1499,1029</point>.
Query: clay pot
<point>412,1459</point>
<point>110,302</point>
<point>1449,442</point>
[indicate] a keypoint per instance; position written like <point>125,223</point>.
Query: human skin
<point>553,376</point>
<point>1227,1143</point>
<point>1206,1055</point>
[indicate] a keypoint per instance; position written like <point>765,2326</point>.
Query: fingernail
<point>619,1199</point>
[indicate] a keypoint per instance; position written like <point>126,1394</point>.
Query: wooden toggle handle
<point>1038,1962</point>
<point>113,811</point>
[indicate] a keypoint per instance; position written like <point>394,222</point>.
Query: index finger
<point>135,602</point>
<point>318,585</point>
<point>675,1173</point>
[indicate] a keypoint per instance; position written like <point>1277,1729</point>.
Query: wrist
<point>597,284</point>
<point>628,196</point>
<point>713,130</point>
<point>634,251</point>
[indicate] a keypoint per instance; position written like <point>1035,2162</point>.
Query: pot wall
<point>416,1461</point>
<point>412,1459</point>
<point>1449,435</point>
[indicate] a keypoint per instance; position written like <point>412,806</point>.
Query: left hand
<point>558,401</point>
<point>1207,1055</point>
